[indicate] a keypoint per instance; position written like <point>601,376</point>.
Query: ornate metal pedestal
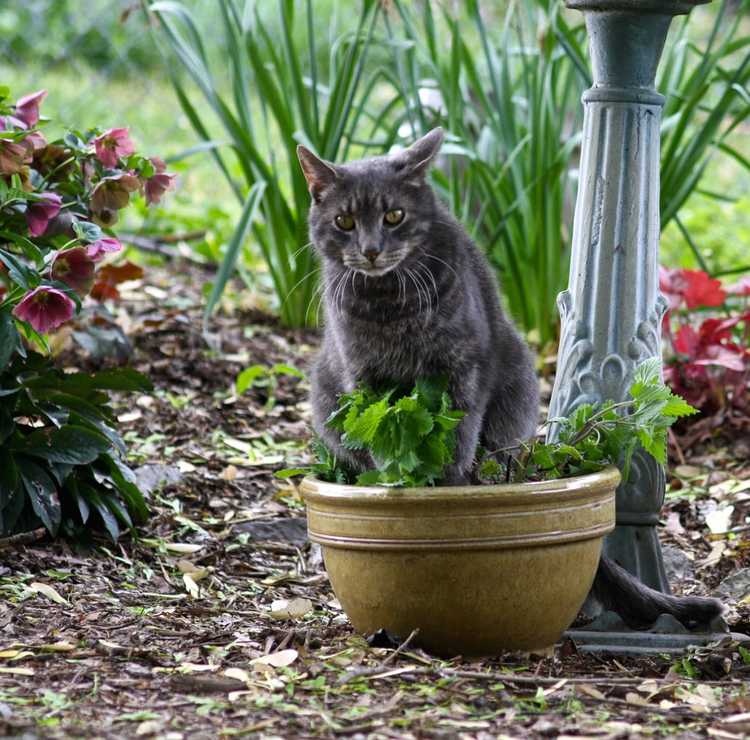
<point>612,310</point>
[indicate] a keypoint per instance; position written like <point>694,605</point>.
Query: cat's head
<point>370,215</point>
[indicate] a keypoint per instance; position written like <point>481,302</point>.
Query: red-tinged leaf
<point>702,290</point>
<point>687,341</point>
<point>718,354</point>
<point>116,274</point>
<point>695,287</point>
<point>103,291</point>
<point>715,331</point>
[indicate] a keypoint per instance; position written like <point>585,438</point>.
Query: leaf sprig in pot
<point>411,439</point>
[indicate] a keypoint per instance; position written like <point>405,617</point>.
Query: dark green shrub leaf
<point>69,444</point>
<point>108,518</point>
<point>8,337</point>
<point>42,493</point>
<point>9,478</point>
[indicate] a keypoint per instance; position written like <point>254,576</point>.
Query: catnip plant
<point>411,435</point>
<point>61,458</point>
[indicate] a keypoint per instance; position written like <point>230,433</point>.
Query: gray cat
<point>408,295</point>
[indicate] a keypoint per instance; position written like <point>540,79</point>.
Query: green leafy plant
<point>60,457</point>
<point>595,436</point>
<point>410,434</point>
<point>268,92</point>
<point>264,376</point>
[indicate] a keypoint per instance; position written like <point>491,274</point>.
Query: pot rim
<point>606,479</point>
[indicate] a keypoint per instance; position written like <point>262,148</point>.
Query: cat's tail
<point>640,606</point>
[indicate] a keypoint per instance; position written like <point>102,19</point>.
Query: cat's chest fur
<point>401,346</point>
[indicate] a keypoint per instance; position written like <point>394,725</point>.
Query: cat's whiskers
<point>435,257</point>
<point>422,269</point>
<point>322,291</point>
<point>401,286</point>
<point>301,249</point>
<point>341,291</point>
<point>425,285</point>
<point>299,282</point>
<point>418,284</point>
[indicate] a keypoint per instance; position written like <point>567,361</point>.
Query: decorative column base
<point>612,311</point>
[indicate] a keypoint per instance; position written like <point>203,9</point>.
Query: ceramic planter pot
<point>478,569</point>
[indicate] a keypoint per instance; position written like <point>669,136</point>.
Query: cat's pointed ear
<point>320,175</point>
<point>416,160</point>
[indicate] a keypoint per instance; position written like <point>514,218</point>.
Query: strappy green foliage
<point>282,80</point>
<point>505,84</point>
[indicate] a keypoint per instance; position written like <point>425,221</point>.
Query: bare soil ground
<point>218,618</point>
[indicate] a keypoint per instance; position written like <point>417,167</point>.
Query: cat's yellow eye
<point>345,221</point>
<point>394,217</point>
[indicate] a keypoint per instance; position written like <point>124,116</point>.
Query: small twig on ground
<point>24,538</point>
<point>401,647</point>
<point>676,445</point>
<point>287,639</point>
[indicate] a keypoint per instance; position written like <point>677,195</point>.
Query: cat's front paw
<point>456,477</point>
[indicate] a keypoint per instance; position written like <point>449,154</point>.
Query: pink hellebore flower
<point>159,183</point>
<point>112,145</point>
<point>36,139</point>
<point>40,213</point>
<point>8,123</point>
<point>110,195</point>
<point>27,108</point>
<point>75,268</point>
<point>45,308</point>
<point>96,250</point>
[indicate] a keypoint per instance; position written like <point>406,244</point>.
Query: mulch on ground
<point>219,619</point>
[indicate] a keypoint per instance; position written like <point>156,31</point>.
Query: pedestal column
<point>612,311</point>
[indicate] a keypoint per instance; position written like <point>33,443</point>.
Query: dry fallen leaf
<point>591,691</point>
<point>197,668</point>
<point>239,674</point>
<point>182,548</point>
<point>280,659</point>
<point>720,520</point>
<point>632,698</point>
<point>49,592</point>
<point>190,585</point>
<point>229,473</point>
<point>18,671</point>
<point>129,416</point>
<point>291,609</point>
<point>58,647</point>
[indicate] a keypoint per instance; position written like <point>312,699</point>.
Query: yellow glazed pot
<point>478,569</point>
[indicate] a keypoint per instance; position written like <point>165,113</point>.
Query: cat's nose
<point>371,252</point>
